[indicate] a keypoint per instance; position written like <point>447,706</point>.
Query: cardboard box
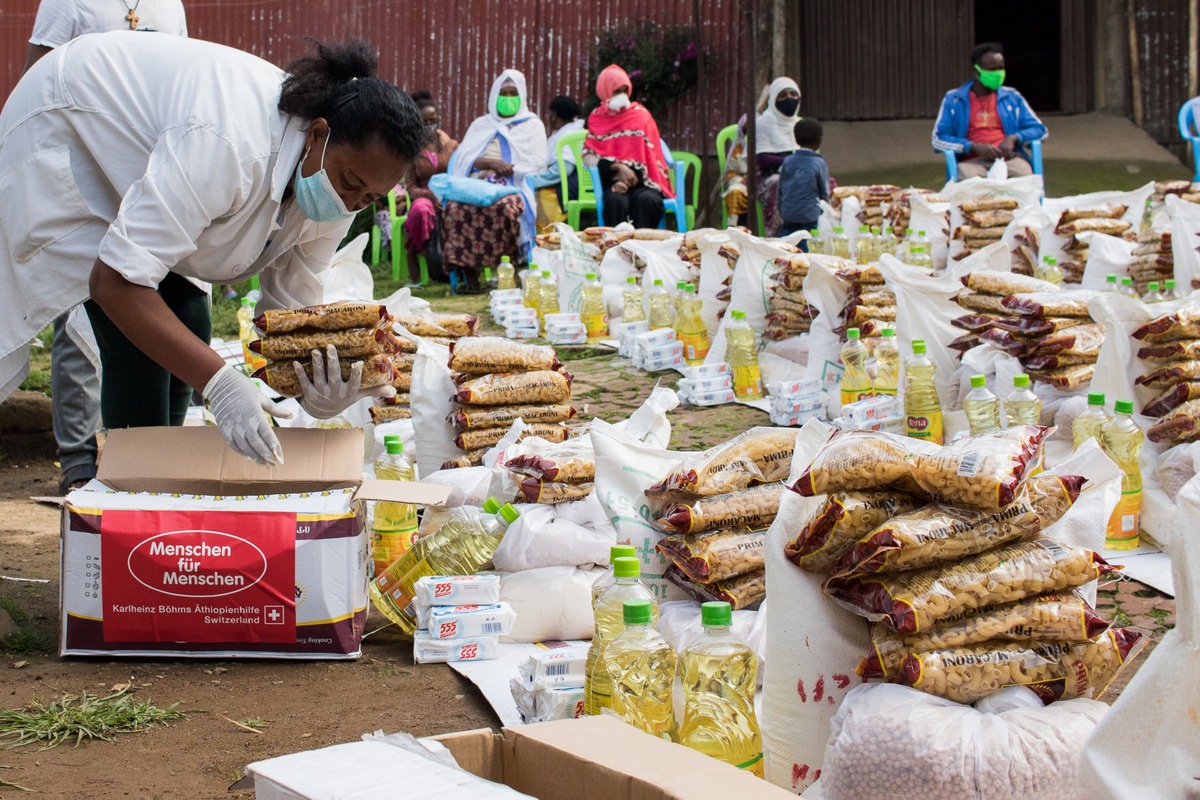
<point>595,758</point>
<point>184,548</point>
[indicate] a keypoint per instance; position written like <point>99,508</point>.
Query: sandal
<point>76,478</point>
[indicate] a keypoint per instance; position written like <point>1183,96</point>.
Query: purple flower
<point>689,52</point>
<point>635,75</point>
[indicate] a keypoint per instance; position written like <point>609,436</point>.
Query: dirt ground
<point>303,705</point>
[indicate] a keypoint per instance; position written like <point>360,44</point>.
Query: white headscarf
<point>774,131</point>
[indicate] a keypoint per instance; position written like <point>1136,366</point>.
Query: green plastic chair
<point>586,198</point>
<point>725,137</point>
<point>692,162</point>
<point>399,252</point>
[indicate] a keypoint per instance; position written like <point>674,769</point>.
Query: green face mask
<point>991,78</point>
<point>508,106</point>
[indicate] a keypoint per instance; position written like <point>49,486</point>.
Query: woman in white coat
<point>133,162</point>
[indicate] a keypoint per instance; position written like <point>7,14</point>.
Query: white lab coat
<point>156,154</point>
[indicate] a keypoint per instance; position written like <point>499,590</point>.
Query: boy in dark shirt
<point>803,180</point>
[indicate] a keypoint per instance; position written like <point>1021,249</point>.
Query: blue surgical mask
<point>316,196</point>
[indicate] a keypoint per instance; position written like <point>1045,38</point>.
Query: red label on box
<point>198,576</point>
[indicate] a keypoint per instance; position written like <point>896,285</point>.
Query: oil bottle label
<point>695,345</point>
<point>854,395</point>
<point>1124,522</point>
<point>747,381</point>
<point>596,324</point>
<point>924,426</point>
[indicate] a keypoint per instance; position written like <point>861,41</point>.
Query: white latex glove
<point>238,406</point>
<point>327,395</point>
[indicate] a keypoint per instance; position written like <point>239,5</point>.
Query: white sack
<point>539,538</point>
<point>931,218</point>
<point>429,401</point>
<point>552,604</point>
<point>348,277</point>
<point>679,623</point>
<point>1134,201</point>
<point>1026,190</point>
<point>1107,255</point>
<point>1185,236</point>
<point>714,270</point>
<point>575,260</point>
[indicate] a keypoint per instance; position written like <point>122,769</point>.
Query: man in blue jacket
<point>984,120</point>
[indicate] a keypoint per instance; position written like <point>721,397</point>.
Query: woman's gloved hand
<point>238,406</point>
<point>327,395</point>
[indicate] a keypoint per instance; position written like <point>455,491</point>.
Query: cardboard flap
<point>479,752</point>
<point>415,492</point>
<point>198,461</point>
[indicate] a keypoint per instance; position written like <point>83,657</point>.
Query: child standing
<point>803,180</point>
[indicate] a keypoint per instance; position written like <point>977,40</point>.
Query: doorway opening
<point>1031,32</point>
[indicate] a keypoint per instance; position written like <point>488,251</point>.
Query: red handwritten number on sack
<point>841,681</point>
<point>800,773</point>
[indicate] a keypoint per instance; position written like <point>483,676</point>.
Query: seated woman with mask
<point>503,146</point>
<point>779,111</point>
<point>565,118</point>
<point>623,141</point>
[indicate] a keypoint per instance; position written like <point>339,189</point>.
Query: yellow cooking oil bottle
<point>742,355</point>
<point>982,407</point>
<point>594,317</point>
<point>531,280</point>
<point>608,578</point>
<point>610,621</point>
<point>632,308</point>
<point>690,328</point>
<point>887,361</point>
<point>719,675</point>
<point>506,274</point>
<point>922,408</point>
<point>1122,441</point>
<point>660,306</point>
<point>641,666</point>
<point>394,523</point>
<point>856,382</point>
<point>1089,424</point>
<point>547,295</point>
<point>460,547</point>
<point>248,333</point>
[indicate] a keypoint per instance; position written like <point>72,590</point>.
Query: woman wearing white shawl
<point>503,146</point>
<point>779,111</point>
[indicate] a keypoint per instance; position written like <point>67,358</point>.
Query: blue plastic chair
<point>677,170</point>
<point>1035,155</point>
<point>1187,124</point>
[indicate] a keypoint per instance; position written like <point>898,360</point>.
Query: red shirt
<point>984,125</point>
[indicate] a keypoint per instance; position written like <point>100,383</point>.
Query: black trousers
<point>135,391</point>
<point>643,207</point>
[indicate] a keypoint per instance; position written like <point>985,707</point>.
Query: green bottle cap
<point>738,314</point>
<point>658,281</point>
<point>1050,260</point>
<point>1170,283</point>
<point>852,333</point>
<point>978,381</point>
<point>491,505</point>
<point>679,285</point>
<point>508,513</point>
<point>839,229</point>
<point>920,233</point>
<point>863,229</point>
<point>814,233</point>
<point>1152,286</point>
<point>391,437</point>
<point>918,346</point>
<point>621,551</point>
<point>1096,399</point>
<point>627,567</point>
<point>591,276</point>
<point>908,231</point>
<point>545,273</point>
<point>917,248</point>
<point>505,260</point>
<point>889,332</point>
<point>1127,281</point>
<point>631,280</point>
<point>638,612</point>
<point>1021,381</point>
<point>689,289</point>
<point>247,301</point>
<point>487,273</point>
<point>1124,406</point>
<point>394,447</point>
<point>716,612</point>
<point>1112,277</point>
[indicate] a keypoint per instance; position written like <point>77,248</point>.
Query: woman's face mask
<point>508,106</point>
<point>316,196</point>
<point>619,102</point>
<point>788,106</point>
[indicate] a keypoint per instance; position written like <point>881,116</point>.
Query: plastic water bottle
<point>1110,283</point>
<point>660,306</point>
<point>642,666</point>
<point>1122,441</point>
<point>1127,287</point>
<point>885,242</point>
<point>887,364</point>
<point>690,328</point>
<point>395,523</point>
<point>608,579</point>
<point>531,288</point>
<point>1153,295</point>
<point>903,250</point>
<point>1170,292</point>
<point>248,333</point>
<point>856,383</point>
<point>742,355</point>
<point>610,621</point>
<point>982,407</point>
<point>1022,406</point>
<point>922,408</point>
<point>1048,270</point>
<point>1089,424</point>
<point>460,547</point>
<point>839,243</point>
<point>632,308</point>
<point>594,317</point>
<point>677,299</point>
<point>506,274</point>
<point>815,243</point>
<point>864,246</point>
<point>547,295</point>
<point>719,675</point>
<point>919,252</point>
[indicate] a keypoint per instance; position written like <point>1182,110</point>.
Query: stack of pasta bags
<point>1024,254</point>
<point>1153,260</point>
<point>1169,348</point>
<point>790,313</point>
<point>946,551</point>
<point>1185,190</point>
<point>441,328</point>
<point>870,306</point>
<point>984,222</point>
<point>716,507</point>
<point>498,382</point>
<point>898,216</point>
<point>1105,218</point>
<point>872,199</point>
<point>557,473</point>
<point>731,253</point>
<point>358,331</point>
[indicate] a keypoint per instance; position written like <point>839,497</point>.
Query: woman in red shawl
<point>623,142</point>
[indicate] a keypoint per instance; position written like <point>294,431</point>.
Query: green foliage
<point>28,639</point>
<point>82,718</point>
<point>662,61</point>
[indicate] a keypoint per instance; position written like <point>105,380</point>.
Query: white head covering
<point>773,129</point>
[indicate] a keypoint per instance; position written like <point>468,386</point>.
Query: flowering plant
<point>662,61</point>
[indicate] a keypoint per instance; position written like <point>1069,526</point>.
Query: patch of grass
<point>1158,613</point>
<point>38,379</point>
<point>1119,618</point>
<point>29,639</point>
<point>82,718</point>
<point>578,353</point>
<point>1146,593</point>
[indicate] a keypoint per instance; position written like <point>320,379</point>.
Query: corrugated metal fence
<point>1162,48</point>
<point>456,48</point>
